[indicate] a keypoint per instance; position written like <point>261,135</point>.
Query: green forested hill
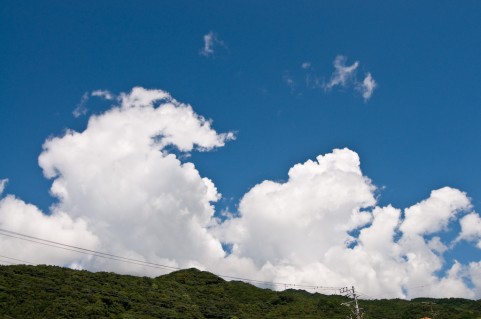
<point>55,292</point>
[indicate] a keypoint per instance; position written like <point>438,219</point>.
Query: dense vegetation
<point>54,292</point>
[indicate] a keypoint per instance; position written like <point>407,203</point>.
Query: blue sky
<point>419,130</point>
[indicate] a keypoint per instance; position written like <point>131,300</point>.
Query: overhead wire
<point>81,250</point>
<point>98,291</point>
<point>55,244</point>
<point>20,260</point>
<point>6,261</point>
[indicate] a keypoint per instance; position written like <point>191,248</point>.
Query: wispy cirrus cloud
<point>343,74</point>
<point>287,78</point>
<point>211,42</point>
<point>3,183</point>
<point>346,76</point>
<point>81,108</point>
<point>103,94</point>
<point>367,86</point>
<point>306,65</point>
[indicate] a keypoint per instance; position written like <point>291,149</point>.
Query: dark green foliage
<point>55,292</point>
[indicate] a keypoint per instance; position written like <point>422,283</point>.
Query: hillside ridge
<point>56,292</point>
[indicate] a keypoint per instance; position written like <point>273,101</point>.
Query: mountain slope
<point>55,292</point>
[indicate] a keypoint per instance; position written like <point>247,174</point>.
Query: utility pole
<point>430,305</point>
<point>351,293</point>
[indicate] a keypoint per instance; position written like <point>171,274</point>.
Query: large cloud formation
<point>307,224</point>
<point>140,199</point>
<point>120,189</point>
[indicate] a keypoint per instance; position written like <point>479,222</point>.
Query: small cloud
<point>367,87</point>
<point>289,81</point>
<point>104,94</point>
<point>81,109</point>
<point>3,183</point>
<point>306,65</point>
<point>313,81</point>
<point>343,74</point>
<point>211,41</point>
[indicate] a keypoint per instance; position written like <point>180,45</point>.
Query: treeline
<point>55,292</point>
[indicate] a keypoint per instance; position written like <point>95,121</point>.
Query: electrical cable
<point>23,261</point>
<point>95,253</point>
<point>82,250</point>
<point>6,261</point>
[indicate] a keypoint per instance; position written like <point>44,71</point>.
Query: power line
<point>82,250</point>
<point>6,261</point>
<point>45,285</point>
<point>95,253</point>
<point>408,289</point>
<point>23,261</point>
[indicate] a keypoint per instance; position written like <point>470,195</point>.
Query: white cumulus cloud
<point>120,189</point>
<point>145,202</point>
<point>434,214</point>
<point>471,228</point>
<point>475,275</point>
<point>20,217</point>
<point>299,220</point>
<point>306,229</point>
